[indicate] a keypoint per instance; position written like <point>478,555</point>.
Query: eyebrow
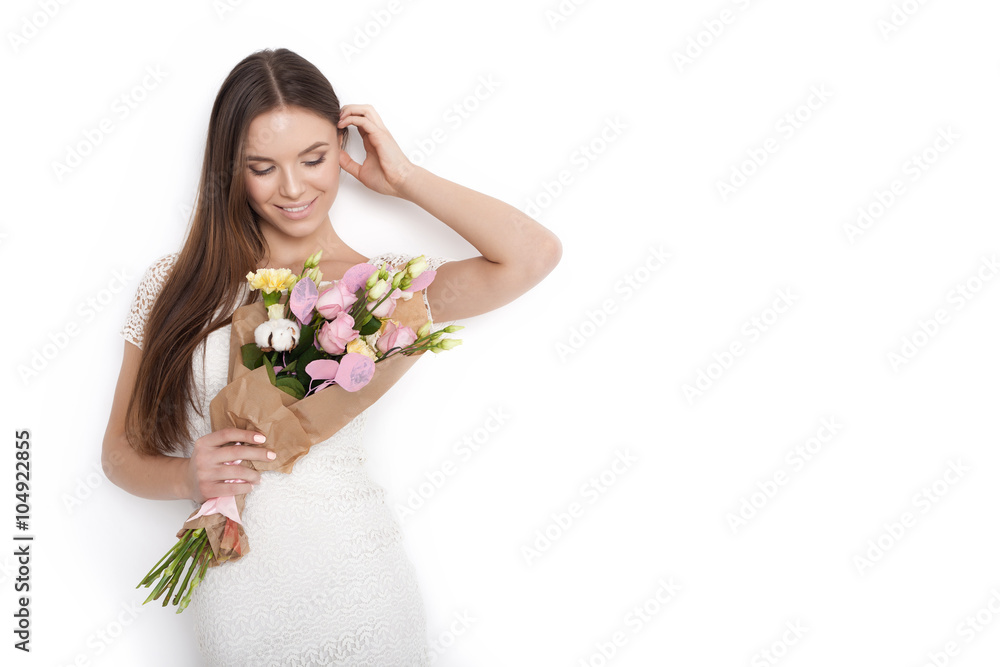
<point>257,158</point>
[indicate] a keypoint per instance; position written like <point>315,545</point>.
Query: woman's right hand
<point>209,465</point>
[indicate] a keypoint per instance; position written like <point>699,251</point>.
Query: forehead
<point>288,129</point>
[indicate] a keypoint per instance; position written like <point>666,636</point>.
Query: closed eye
<point>267,171</point>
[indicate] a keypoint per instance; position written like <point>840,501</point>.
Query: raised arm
<point>517,252</point>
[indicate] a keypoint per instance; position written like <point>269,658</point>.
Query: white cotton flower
<point>280,335</point>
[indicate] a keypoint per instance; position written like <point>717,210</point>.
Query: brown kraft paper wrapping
<point>291,426</point>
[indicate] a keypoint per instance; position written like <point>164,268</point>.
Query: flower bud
<point>313,260</point>
<point>372,279</point>
<point>416,266</point>
<point>449,343</point>
<point>424,330</point>
<point>452,328</point>
<point>314,274</point>
<point>377,290</point>
<point>276,311</point>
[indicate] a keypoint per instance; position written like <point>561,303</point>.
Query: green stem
<point>173,553</point>
<point>191,569</point>
<point>170,573</point>
<point>151,575</point>
<point>197,580</point>
<point>175,573</point>
<point>408,351</point>
<point>389,290</point>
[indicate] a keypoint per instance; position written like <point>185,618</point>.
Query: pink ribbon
<point>224,505</point>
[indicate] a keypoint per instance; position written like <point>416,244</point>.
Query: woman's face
<point>292,170</point>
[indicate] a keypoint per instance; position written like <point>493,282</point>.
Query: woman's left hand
<point>385,166</point>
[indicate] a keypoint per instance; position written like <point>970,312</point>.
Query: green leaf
<point>271,298</point>
<point>308,356</point>
<point>251,355</point>
<point>290,367</point>
<point>306,335</point>
<point>270,369</point>
<point>371,326</point>
<point>290,385</point>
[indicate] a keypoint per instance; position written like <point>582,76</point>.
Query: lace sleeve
<point>397,260</point>
<point>149,287</point>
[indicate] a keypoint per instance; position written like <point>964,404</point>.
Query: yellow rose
<point>271,280</point>
<point>360,346</point>
<point>385,323</point>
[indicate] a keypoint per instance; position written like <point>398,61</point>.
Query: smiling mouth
<point>295,209</point>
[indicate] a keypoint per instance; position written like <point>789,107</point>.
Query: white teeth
<point>294,210</point>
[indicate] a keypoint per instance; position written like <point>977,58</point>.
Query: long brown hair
<point>224,242</point>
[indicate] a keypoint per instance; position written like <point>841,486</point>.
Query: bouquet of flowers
<point>286,355</point>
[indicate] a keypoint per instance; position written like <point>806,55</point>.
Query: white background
<point>584,367</point>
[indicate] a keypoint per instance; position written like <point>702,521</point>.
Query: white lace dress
<point>327,580</point>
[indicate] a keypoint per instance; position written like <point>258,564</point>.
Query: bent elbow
<point>547,258</point>
<point>112,457</point>
<point>554,252</point>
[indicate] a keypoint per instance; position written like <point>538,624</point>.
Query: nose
<point>292,186</point>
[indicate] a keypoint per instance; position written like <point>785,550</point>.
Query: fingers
<point>364,124</point>
<point>214,449</point>
<point>227,477</point>
<point>362,116</point>
<point>218,443</point>
<point>233,434</point>
<point>217,489</point>
<point>364,110</point>
<point>240,452</point>
<point>348,164</point>
<point>215,463</point>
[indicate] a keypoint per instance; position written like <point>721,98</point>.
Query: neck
<point>290,252</point>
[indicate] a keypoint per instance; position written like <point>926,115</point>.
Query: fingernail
<point>259,438</point>
<point>272,455</point>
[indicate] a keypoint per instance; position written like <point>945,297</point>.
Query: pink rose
<point>394,336</point>
<point>387,307</point>
<point>335,299</point>
<point>334,335</point>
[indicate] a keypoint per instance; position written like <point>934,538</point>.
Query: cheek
<point>330,169</point>
<point>257,190</point>
<point>328,174</point>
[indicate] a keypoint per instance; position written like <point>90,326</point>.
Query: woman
<point>331,585</point>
